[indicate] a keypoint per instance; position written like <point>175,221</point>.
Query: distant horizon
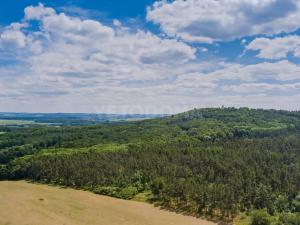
<point>95,113</point>
<point>81,113</point>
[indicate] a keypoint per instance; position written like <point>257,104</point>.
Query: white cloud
<point>262,87</point>
<point>70,55</point>
<point>81,47</point>
<point>38,12</point>
<point>74,64</point>
<point>117,23</point>
<point>12,37</point>
<point>211,20</point>
<point>276,48</point>
<point>279,71</point>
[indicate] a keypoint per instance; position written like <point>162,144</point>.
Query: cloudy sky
<point>142,56</point>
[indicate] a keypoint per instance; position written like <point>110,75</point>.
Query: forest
<point>224,164</point>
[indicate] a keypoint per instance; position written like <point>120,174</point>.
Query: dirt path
<point>23,203</point>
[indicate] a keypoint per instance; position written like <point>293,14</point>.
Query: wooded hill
<point>215,163</point>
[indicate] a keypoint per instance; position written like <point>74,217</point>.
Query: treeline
<point>213,180</point>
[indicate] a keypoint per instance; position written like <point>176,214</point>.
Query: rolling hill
<point>218,163</point>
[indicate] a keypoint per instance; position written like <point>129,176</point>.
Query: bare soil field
<point>23,203</point>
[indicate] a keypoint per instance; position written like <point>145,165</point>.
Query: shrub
<point>109,191</point>
<point>4,172</point>
<point>261,217</point>
<point>158,185</point>
<point>296,204</point>
<point>128,192</point>
<point>289,219</point>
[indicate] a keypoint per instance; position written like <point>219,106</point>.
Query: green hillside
<point>219,163</point>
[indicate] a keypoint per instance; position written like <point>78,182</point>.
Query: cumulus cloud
<point>276,48</point>
<point>210,20</point>
<point>38,12</point>
<point>13,37</point>
<point>71,46</point>
<point>69,55</point>
<point>70,64</point>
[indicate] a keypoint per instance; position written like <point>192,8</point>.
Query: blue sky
<point>147,56</point>
<point>13,10</point>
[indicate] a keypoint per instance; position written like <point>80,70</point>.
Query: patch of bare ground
<point>23,203</point>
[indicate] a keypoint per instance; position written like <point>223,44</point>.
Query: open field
<point>24,203</point>
<point>16,122</point>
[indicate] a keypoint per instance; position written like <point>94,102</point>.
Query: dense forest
<point>222,163</point>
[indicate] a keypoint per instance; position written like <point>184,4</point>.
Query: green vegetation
<point>261,217</point>
<point>125,193</point>
<point>68,119</point>
<point>96,148</point>
<point>289,219</point>
<point>217,163</point>
<point>15,122</point>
